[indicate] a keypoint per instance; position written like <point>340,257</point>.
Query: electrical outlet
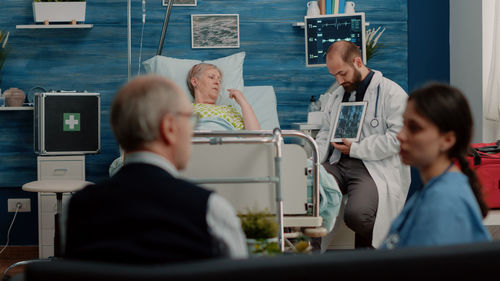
<point>25,204</point>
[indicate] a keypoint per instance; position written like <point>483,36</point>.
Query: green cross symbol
<point>71,122</point>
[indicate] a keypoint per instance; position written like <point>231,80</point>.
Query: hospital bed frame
<point>274,137</point>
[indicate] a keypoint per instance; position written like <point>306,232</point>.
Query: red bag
<point>486,162</point>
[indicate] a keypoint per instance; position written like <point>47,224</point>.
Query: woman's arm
<point>249,118</point>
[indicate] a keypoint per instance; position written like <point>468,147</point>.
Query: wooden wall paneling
<point>96,60</point>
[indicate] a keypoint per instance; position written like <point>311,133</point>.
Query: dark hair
<point>448,109</point>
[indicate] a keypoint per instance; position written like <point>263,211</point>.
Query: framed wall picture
<point>349,121</point>
<point>215,31</point>
<point>181,2</point>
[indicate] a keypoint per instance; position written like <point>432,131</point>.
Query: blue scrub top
<point>444,212</point>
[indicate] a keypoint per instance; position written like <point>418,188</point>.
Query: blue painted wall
<point>428,42</point>
<point>96,60</point>
<point>428,50</point>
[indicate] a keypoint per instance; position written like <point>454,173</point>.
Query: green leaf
<point>259,224</point>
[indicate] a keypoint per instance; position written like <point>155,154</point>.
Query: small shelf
<point>49,26</point>
<point>493,218</point>
<point>307,126</point>
<point>12,108</point>
<point>301,24</point>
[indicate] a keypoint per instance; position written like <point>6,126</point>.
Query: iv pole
<point>129,33</point>
<point>129,39</point>
<point>165,25</point>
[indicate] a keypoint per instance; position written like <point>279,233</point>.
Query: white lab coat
<point>378,147</point>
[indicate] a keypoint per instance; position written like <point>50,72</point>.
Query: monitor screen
<point>322,31</point>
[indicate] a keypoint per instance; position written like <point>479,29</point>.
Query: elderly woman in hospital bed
<point>204,83</point>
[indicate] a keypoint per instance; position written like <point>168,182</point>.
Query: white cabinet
<point>64,169</point>
<point>308,129</point>
<point>53,168</point>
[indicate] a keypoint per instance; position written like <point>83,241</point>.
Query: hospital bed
<point>243,167</point>
<point>254,169</point>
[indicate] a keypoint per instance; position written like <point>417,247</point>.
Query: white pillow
<point>177,70</point>
<point>263,101</point>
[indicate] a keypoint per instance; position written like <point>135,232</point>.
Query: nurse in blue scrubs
<point>435,138</point>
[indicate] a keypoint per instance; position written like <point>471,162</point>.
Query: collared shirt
<point>222,221</point>
<point>359,94</point>
<point>153,159</point>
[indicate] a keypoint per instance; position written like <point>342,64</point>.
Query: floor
<point>492,222</point>
<point>15,254</point>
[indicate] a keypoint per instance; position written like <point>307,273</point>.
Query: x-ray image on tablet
<point>349,121</point>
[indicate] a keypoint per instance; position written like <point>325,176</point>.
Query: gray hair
<point>196,71</point>
<point>139,107</point>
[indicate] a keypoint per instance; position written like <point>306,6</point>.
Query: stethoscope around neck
<point>374,123</point>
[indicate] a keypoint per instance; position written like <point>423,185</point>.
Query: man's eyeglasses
<point>193,117</point>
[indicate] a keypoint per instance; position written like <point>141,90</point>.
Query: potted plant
<point>261,230</point>
<point>59,11</point>
<point>372,37</point>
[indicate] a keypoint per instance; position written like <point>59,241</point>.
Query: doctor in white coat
<point>370,171</point>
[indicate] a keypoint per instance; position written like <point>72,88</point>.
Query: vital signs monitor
<point>322,31</point>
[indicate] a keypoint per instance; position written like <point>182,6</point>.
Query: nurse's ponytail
<point>448,109</point>
<point>474,183</point>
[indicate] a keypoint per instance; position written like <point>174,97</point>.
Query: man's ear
<point>167,129</point>
<point>357,61</point>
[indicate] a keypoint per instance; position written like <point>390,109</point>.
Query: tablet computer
<point>349,121</point>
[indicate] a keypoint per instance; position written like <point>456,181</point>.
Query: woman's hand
<point>237,95</point>
<point>249,119</point>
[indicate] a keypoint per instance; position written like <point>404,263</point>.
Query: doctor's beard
<point>350,86</point>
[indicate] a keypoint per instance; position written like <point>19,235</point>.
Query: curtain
<point>493,88</point>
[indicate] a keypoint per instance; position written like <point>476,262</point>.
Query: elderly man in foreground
<point>144,213</point>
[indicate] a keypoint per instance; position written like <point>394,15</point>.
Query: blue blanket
<point>214,123</point>
<point>330,196</point>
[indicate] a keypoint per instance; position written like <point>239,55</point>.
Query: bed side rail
<point>262,136</point>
